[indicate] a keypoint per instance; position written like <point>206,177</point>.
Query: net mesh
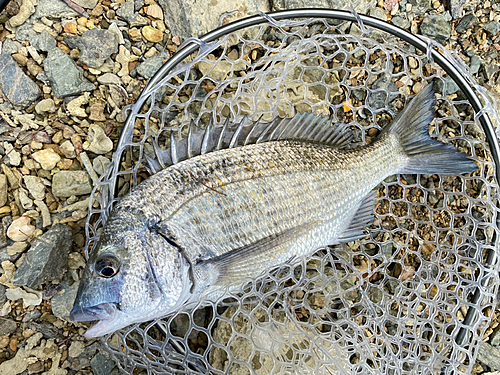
<point>394,302</point>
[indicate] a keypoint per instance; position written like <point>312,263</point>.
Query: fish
<point>229,203</point>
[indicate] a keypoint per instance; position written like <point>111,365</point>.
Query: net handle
<point>345,15</point>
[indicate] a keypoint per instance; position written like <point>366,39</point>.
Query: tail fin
<point>426,155</point>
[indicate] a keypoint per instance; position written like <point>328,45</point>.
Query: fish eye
<point>107,265</point>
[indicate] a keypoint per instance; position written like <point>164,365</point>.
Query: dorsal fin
<point>302,127</point>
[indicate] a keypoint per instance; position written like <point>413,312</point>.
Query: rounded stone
<point>47,158</point>
<point>151,34</point>
<point>46,105</point>
<point>20,229</point>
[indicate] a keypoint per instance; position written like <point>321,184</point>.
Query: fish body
<point>221,217</point>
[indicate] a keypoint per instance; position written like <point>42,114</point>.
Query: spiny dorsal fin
<point>302,127</point>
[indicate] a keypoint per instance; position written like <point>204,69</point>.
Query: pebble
<point>68,183</point>
<point>101,164</point>
<point>97,141</point>
<point>29,299</point>
<point>436,27</point>
<point>492,28</point>
<point>95,46</point>
<point>44,106</point>
<point>17,248</point>
<point>74,107</point>
<point>47,258</point>
<point>67,149</point>
<point>64,75</point>
<point>62,303</point>
<point>3,190</point>
<point>466,23</point>
<point>150,66</point>
<point>76,348</point>
<point>127,12</point>
<point>26,9</point>
<point>20,229</point>
<point>35,187</point>
<point>17,87</point>
<point>44,42</point>
<point>109,79</point>
<point>102,364</point>
<point>47,158</point>
<point>489,355</point>
<point>151,34</point>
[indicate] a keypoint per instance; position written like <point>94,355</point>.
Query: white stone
<point>75,108</point>
<point>29,299</point>
<point>20,229</point>
<point>47,158</point>
<point>101,164</point>
<point>46,105</point>
<point>97,142</point>
<point>35,187</point>
<point>68,149</point>
<point>14,157</point>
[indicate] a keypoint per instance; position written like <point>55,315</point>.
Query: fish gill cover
<point>394,302</point>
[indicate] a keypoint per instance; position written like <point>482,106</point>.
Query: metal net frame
<point>416,295</point>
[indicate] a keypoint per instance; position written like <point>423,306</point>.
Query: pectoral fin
<point>253,258</point>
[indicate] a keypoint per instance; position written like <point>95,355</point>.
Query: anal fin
<point>361,219</point>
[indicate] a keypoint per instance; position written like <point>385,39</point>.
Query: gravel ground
<point>65,75</point>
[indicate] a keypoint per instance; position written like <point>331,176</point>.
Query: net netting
<point>413,297</point>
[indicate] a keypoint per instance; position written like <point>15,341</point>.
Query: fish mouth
<point>105,314</point>
<point>103,311</point>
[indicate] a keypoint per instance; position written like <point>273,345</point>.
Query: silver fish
<point>232,202</point>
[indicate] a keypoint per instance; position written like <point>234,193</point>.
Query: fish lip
<point>104,311</point>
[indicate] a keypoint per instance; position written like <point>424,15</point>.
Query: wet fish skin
<point>216,219</point>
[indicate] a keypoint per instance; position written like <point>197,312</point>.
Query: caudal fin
<point>426,155</point>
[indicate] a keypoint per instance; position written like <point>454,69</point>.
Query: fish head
<point>132,275</point>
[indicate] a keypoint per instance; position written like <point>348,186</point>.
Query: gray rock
<point>32,315</point>
<point>46,329</point>
<point>3,298</point>
<point>7,327</point>
<point>68,183</point>
<point>65,76</point>
<point>84,358</point>
<point>377,100</point>
<point>127,12</point>
<point>360,6</point>
<point>53,9</point>
<point>492,28</point>
<point>466,23</point>
<point>10,46</point>
<point>102,364</point>
<point>451,86</point>
<point>95,46</point>
<point>436,27</point>
<point>46,259</point>
<point>150,66</point>
<point>401,21</point>
<point>188,18</point>
<point>62,303</point>
<point>44,42</point>
<point>420,6</point>
<point>17,87</point>
<point>489,355</point>
<point>456,8</point>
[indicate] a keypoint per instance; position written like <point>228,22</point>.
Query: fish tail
<point>426,155</point>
